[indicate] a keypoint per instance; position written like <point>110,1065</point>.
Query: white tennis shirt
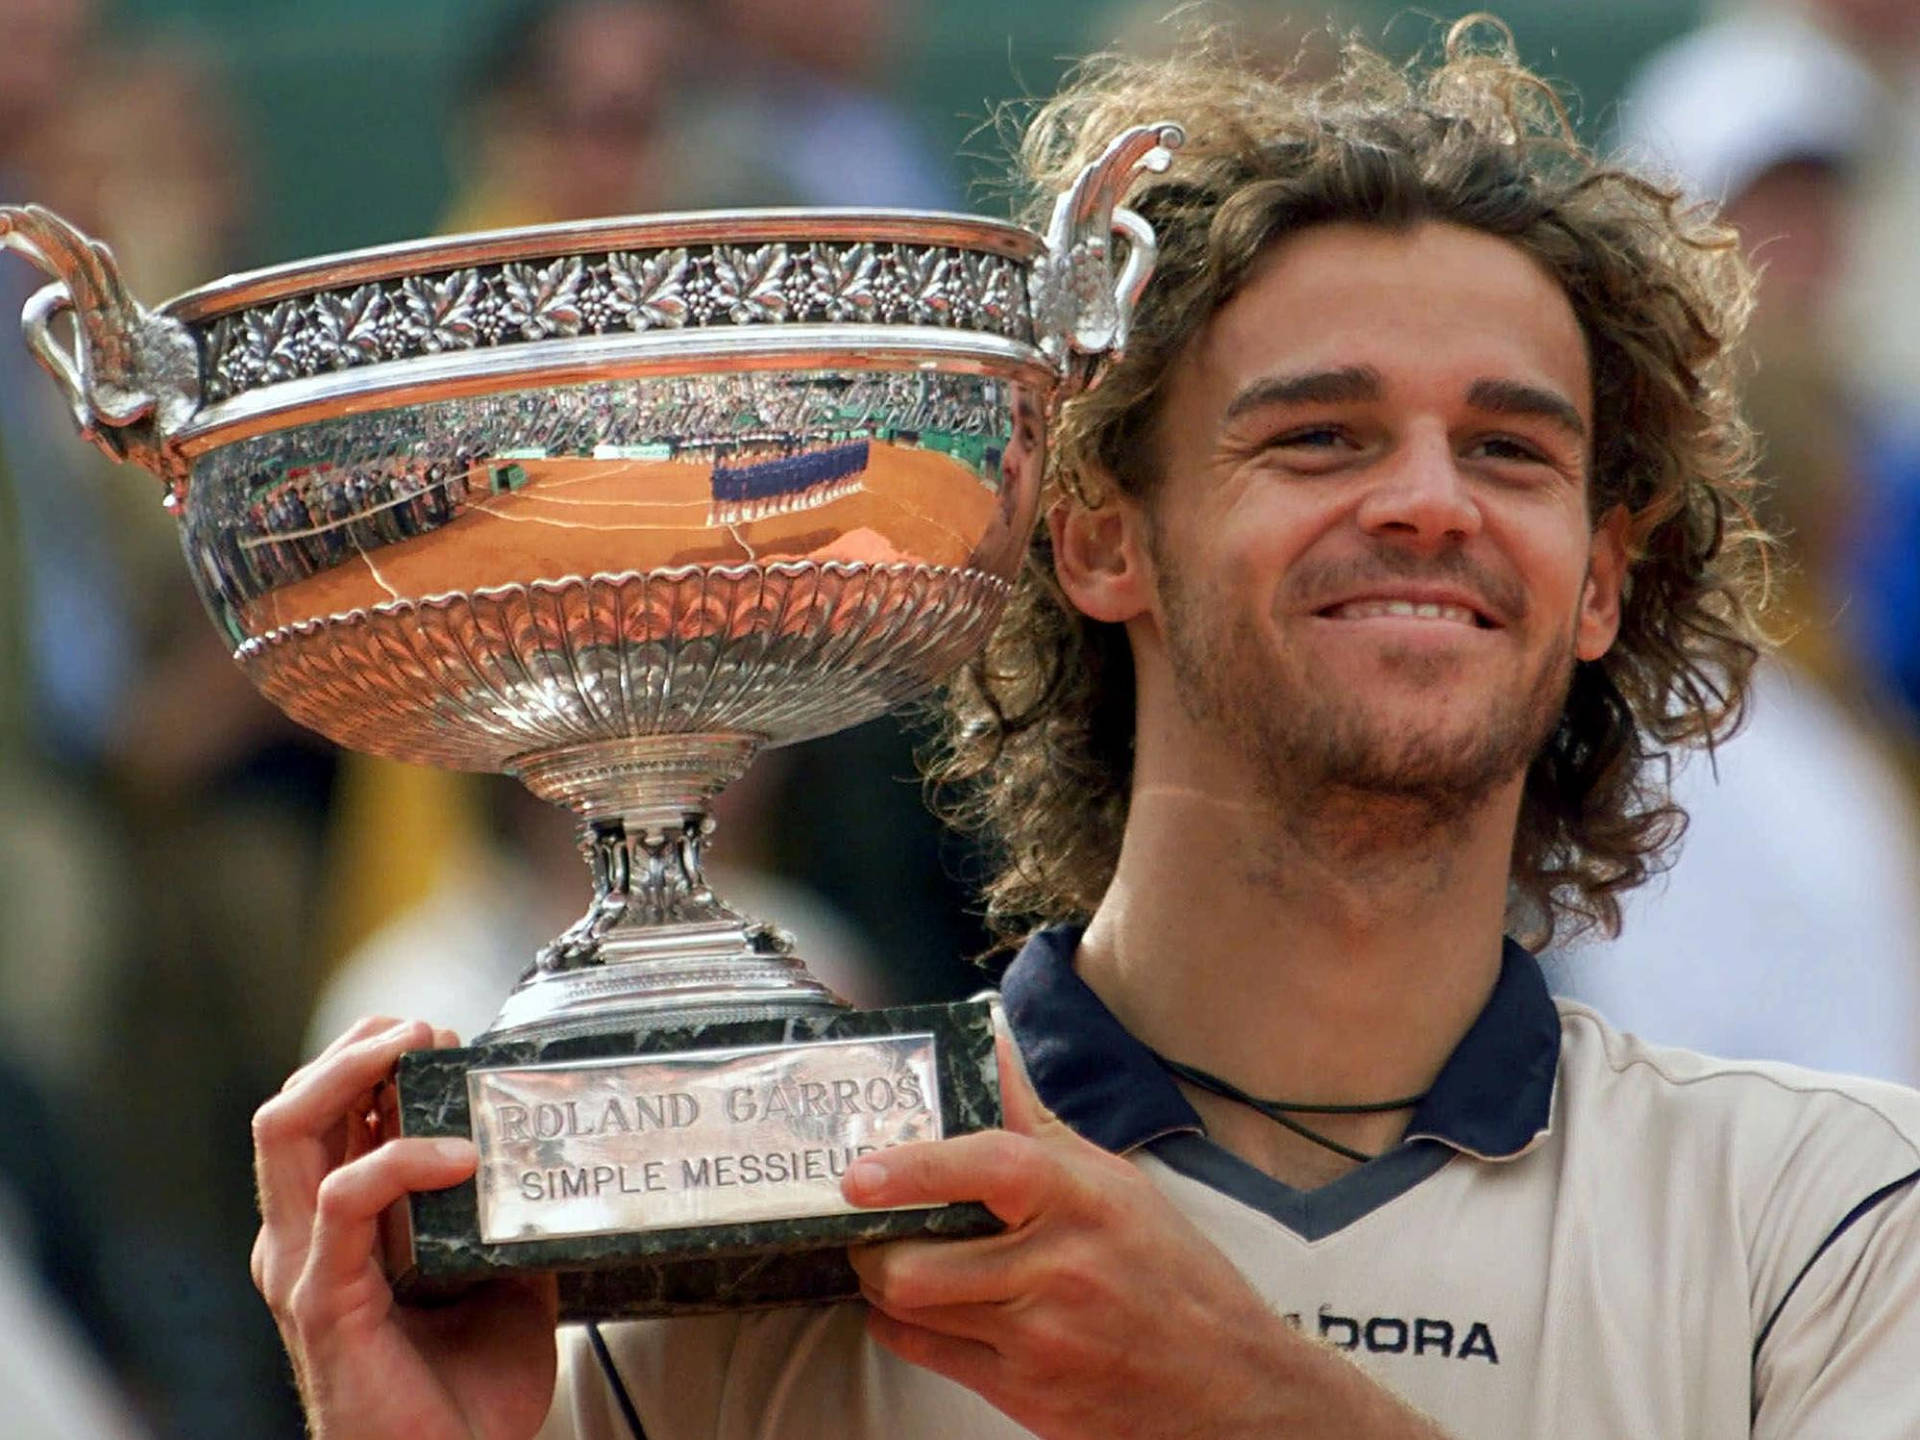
<point>1581,1235</point>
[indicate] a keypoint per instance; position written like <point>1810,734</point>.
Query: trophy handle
<point>132,377</point>
<point>1082,309</point>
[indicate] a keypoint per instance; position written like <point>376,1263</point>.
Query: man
<point>1384,568</point>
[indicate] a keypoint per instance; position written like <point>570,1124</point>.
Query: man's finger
<point>361,1029</point>
<point>352,1198</point>
<point>292,1129</point>
<point>983,1324</point>
<point>317,1095</point>
<point>912,1275</point>
<point>1021,1109</point>
<point>1006,1173</point>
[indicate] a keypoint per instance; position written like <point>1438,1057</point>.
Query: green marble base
<point>434,1242</point>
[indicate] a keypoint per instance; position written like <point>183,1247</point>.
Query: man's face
<point>1373,559</point>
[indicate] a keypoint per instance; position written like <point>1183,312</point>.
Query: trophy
<point>609,507</point>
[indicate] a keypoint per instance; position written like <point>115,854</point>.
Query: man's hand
<point>369,1368</point>
<point>1099,1311</point>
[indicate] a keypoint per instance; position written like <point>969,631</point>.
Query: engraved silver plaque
<point>694,1138</point>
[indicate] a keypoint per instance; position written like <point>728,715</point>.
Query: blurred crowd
<point>193,893</point>
<point>1790,926</point>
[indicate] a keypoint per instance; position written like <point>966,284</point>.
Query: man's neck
<point>1337,962</point>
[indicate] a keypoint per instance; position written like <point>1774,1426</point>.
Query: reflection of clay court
<point>583,516</point>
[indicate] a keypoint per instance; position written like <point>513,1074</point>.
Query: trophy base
<point>675,1171</point>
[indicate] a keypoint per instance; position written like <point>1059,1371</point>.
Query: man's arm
<point>368,1367</point>
<point>1100,1310</point>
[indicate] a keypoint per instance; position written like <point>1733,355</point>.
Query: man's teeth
<point>1422,610</point>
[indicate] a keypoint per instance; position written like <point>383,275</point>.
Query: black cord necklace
<point>1281,1112</point>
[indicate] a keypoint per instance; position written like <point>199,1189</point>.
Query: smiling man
<point>1384,570</point>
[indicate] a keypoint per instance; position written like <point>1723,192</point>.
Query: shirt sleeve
<point>1840,1352</point>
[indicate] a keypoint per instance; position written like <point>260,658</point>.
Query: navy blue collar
<point>1493,1098</point>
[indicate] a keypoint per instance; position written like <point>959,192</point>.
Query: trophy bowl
<point>610,506</point>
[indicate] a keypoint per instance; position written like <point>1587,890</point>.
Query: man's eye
<point>1505,447</point>
<point>1316,437</point>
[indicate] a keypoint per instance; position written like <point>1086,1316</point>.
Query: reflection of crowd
<point>179,869</point>
<point>285,521</point>
<point>305,519</point>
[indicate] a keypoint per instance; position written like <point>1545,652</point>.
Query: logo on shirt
<point>1395,1335</point>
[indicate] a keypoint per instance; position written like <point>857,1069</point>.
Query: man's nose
<point>1421,496</point>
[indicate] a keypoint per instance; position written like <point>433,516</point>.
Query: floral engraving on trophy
<point>438,313</point>
<point>543,301</point>
<point>646,291</point>
<point>637,291</point>
<point>996,288</point>
<point>745,284</point>
<point>838,282</point>
<point>274,345</point>
<point>350,323</point>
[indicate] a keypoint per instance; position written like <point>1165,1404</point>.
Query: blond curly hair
<point>1037,737</point>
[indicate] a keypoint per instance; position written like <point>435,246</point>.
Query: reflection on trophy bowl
<point>468,599</point>
<point>610,507</point>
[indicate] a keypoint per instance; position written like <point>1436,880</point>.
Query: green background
<point>342,103</point>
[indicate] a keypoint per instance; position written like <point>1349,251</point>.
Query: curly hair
<point>1038,731</point>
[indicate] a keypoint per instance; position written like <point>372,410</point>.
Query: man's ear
<point>1100,557</point>
<point>1599,619</point>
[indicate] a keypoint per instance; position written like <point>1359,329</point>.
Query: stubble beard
<point>1324,757</point>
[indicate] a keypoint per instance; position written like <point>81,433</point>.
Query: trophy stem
<point>657,946</point>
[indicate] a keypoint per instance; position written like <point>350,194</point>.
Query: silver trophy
<point>610,507</point>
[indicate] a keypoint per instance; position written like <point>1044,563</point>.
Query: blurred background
<point>194,895</point>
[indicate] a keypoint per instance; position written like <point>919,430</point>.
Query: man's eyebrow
<point>1348,385</point>
<point>1511,397</point>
